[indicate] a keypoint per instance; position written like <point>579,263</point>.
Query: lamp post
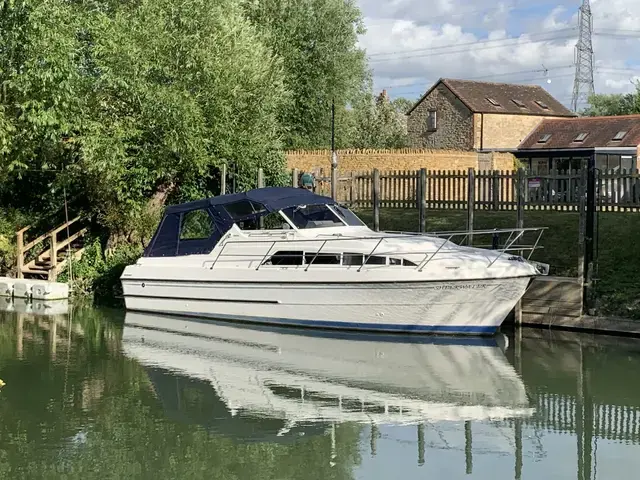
<point>334,155</point>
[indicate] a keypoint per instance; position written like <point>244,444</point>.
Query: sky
<point>413,43</point>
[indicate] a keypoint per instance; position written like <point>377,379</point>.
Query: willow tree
<point>122,103</point>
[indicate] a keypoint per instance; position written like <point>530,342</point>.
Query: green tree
<point>613,104</point>
<point>317,41</point>
<point>122,103</point>
<point>377,122</point>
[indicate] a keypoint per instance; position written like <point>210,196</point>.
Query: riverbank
<point>617,289</point>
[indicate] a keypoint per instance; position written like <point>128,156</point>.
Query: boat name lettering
<point>474,286</point>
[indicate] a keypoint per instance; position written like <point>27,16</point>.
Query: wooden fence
<point>616,190</point>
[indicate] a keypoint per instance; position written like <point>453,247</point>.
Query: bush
<point>98,274</point>
<point>10,222</point>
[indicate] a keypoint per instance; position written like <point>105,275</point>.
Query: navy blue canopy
<point>220,213</point>
<point>272,198</point>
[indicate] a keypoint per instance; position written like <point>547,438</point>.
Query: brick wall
<point>404,159</point>
<point>454,122</point>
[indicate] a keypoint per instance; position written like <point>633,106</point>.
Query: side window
<point>432,123</point>
<point>196,225</point>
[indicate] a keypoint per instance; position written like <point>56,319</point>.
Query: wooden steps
<point>45,261</point>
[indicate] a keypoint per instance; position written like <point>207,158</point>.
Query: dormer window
<point>544,138</point>
<point>519,103</point>
<point>542,105</point>
<point>619,136</point>
<point>493,102</point>
<point>581,137</point>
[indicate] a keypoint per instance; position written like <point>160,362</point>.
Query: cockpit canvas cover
<point>223,212</point>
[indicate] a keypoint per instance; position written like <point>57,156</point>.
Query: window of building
<point>432,123</point>
<point>542,105</point>
<point>519,103</point>
<point>493,102</point>
<point>544,138</point>
<point>196,225</point>
<point>619,136</point>
<point>580,137</point>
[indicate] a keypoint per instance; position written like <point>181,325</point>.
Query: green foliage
<point>613,104</point>
<point>10,222</point>
<point>118,102</point>
<point>99,274</point>
<point>317,41</point>
<point>376,122</point>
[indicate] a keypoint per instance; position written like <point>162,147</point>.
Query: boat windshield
<point>319,216</point>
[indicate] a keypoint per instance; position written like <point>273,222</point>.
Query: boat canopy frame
<point>223,212</point>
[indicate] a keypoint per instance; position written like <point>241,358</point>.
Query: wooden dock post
<point>471,202</point>
<point>53,248</point>
<point>223,179</point>
<point>582,226</point>
<point>422,199</point>
<point>294,178</point>
<point>376,199</point>
<point>421,446</point>
<point>521,180</point>
<point>468,447</point>
<point>20,252</point>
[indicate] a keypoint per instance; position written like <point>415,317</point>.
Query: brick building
<point>608,143</point>
<point>482,116</point>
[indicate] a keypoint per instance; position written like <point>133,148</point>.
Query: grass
<point>618,285</point>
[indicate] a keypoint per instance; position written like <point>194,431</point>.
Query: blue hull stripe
<point>373,327</point>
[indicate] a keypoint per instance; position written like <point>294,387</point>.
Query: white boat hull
<point>471,307</point>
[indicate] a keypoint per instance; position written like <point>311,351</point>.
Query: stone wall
<point>492,130</point>
<point>404,159</point>
<point>454,122</point>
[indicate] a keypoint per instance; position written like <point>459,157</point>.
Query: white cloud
<point>448,40</point>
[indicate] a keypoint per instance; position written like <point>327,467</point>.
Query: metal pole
<point>334,155</point>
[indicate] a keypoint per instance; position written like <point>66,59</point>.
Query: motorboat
<point>302,377</point>
<point>287,256</point>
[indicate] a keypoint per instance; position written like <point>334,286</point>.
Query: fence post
<point>376,199</point>
<point>590,237</point>
<point>20,252</point>
<point>520,187</point>
<point>495,189</point>
<point>352,190</point>
<point>294,178</point>
<point>582,225</point>
<point>471,201</point>
<point>422,199</point>
<point>223,179</point>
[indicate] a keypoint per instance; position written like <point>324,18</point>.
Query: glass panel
<point>626,162</point>
<point>196,224</point>
<point>348,216</point>
<point>243,208</point>
<point>312,216</point>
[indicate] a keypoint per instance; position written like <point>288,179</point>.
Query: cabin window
<point>352,259</point>
<point>322,258</point>
<point>375,260</point>
<point>271,221</point>
<point>243,208</point>
<point>196,225</point>
<point>286,257</point>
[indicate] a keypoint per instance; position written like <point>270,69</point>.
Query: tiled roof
<point>600,132</point>
<point>490,97</point>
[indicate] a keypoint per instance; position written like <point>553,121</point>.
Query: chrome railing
<point>515,234</point>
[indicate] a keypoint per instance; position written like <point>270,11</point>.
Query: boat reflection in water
<point>311,378</point>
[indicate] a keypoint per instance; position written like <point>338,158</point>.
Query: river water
<point>87,396</point>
